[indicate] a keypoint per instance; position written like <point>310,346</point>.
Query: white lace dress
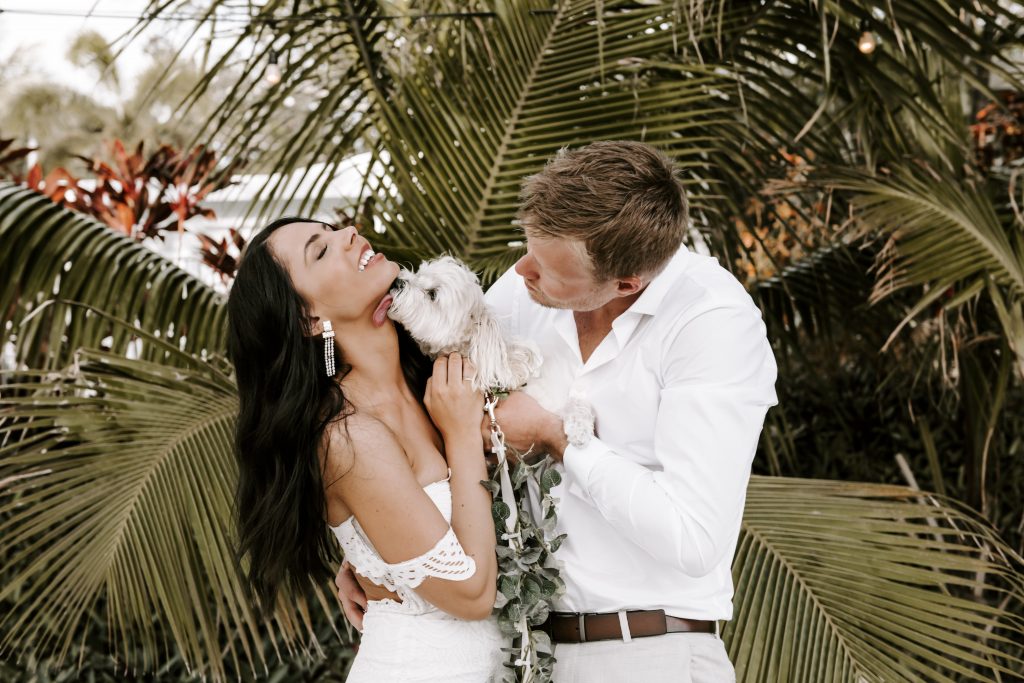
<point>412,640</point>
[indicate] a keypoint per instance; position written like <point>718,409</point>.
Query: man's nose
<point>524,266</point>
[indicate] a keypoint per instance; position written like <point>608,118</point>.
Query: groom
<point>671,353</point>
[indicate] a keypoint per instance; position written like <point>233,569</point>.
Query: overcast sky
<point>43,40</point>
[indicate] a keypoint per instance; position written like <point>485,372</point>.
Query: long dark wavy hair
<point>286,400</point>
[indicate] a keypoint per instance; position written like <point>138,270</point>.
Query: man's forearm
<point>553,437</point>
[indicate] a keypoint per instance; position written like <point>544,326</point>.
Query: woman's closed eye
<point>326,228</point>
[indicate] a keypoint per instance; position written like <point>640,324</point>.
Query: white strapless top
<point>446,560</point>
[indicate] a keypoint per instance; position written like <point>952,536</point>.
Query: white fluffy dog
<point>442,307</point>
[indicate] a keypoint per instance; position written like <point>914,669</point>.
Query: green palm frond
<point>331,77</point>
<point>462,132</point>
<point>864,582</point>
<point>116,475</point>
<point>117,489</point>
<point>52,256</point>
<point>874,579</point>
<point>946,229</point>
<point>457,111</point>
<point>944,233</point>
<point>820,295</point>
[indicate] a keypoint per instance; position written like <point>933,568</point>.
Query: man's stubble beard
<point>581,305</point>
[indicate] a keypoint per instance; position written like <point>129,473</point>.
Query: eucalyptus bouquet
<point>528,578</point>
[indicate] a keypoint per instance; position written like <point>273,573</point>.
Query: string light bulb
<point>868,41</point>
<point>273,74</point>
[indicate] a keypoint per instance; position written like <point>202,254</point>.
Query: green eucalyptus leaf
<point>550,479</point>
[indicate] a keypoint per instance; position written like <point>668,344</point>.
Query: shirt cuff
<point>580,461</point>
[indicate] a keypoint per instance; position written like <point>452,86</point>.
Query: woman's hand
<point>352,595</point>
<point>450,400</point>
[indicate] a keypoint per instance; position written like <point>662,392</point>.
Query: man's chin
<point>544,301</point>
<point>537,297</point>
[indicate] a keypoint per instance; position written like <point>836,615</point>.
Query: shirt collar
<point>658,288</point>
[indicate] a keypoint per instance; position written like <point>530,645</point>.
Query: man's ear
<point>627,286</point>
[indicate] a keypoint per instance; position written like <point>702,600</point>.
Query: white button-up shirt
<point>680,387</point>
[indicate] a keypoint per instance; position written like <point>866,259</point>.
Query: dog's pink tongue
<point>381,313</point>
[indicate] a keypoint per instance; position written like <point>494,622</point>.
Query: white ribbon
<point>527,649</point>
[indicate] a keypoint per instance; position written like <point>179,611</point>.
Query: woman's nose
<point>348,236</point>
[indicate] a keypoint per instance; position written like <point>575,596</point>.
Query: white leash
<point>527,651</point>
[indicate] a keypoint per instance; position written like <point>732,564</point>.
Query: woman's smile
<point>336,271</point>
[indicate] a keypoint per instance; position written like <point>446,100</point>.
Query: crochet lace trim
<point>446,560</point>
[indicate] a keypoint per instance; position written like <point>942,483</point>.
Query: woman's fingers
<point>454,368</point>
<point>468,369</point>
<point>451,372</point>
<point>353,599</point>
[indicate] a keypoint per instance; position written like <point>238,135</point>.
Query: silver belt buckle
<point>583,627</point>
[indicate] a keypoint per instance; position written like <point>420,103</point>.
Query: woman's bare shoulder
<point>368,476</point>
<point>361,444</point>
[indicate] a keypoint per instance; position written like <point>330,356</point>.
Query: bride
<point>332,430</point>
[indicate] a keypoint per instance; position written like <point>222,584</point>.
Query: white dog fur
<point>442,307</point>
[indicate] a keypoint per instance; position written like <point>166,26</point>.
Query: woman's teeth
<point>365,258</point>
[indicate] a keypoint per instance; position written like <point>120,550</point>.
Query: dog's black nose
<point>399,283</point>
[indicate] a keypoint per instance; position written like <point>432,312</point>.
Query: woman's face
<point>335,272</point>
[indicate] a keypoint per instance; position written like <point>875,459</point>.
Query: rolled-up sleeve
<point>718,383</point>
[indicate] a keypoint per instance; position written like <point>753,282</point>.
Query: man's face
<point>557,275</point>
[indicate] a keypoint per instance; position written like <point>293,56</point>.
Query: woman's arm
<point>455,409</point>
<point>374,480</point>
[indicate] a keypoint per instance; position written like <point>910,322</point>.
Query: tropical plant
<point>456,109</point>
<point>117,479</point>
<point>139,195</point>
<point>72,127</point>
<point>808,162</point>
<point>10,156</point>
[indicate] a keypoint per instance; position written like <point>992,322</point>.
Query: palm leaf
<point>51,256</point>
<point>945,232</point>
<point>118,482</point>
<point>819,296</point>
<point>463,131</point>
<point>862,582</point>
<point>461,111</point>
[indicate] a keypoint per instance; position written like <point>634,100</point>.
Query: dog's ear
<point>489,353</point>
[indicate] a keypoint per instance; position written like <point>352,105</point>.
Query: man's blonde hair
<point>622,200</point>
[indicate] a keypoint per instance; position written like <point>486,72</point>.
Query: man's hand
<point>353,598</point>
<point>526,424</point>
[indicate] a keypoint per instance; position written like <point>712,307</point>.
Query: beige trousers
<point>675,657</point>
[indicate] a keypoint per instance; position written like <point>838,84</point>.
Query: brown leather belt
<point>567,627</point>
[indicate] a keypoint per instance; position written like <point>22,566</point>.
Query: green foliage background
<point>845,190</point>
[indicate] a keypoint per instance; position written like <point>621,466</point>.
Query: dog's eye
<point>432,293</point>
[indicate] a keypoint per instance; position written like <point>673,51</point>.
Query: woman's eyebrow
<point>305,250</point>
<point>313,238</point>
